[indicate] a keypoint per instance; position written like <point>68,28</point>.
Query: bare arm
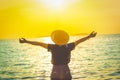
<point>93,34</point>
<point>23,40</point>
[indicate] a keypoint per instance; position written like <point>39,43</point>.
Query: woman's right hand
<point>22,40</point>
<point>92,34</point>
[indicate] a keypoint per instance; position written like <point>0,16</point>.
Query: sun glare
<point>47,40</point>
<point>54,4</point>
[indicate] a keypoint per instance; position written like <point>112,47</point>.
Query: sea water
<point>95,59</point>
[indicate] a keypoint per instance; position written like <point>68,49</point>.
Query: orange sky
<point>34,18</point>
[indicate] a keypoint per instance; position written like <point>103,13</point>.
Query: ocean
<point>95,59</point>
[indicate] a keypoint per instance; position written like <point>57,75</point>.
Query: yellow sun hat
<point>60,37</point>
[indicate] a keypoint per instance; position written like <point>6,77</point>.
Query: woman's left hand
<point>22,40</point>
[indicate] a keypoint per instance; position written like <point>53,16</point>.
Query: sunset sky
<point>35,18</point>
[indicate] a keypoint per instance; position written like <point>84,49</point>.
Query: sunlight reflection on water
<point>95,59</point>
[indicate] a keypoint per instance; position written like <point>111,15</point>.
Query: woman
<point>61,52</point>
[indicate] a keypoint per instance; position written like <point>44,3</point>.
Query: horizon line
<point>81,34</point>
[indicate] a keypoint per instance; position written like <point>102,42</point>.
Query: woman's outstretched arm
<point>23,40</point>
<point>91,35</point>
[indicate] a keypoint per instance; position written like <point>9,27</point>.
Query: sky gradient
<point>35,18</point>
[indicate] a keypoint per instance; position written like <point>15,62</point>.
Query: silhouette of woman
<point>61,52</point>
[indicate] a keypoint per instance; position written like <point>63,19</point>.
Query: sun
<point>54,4</point>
